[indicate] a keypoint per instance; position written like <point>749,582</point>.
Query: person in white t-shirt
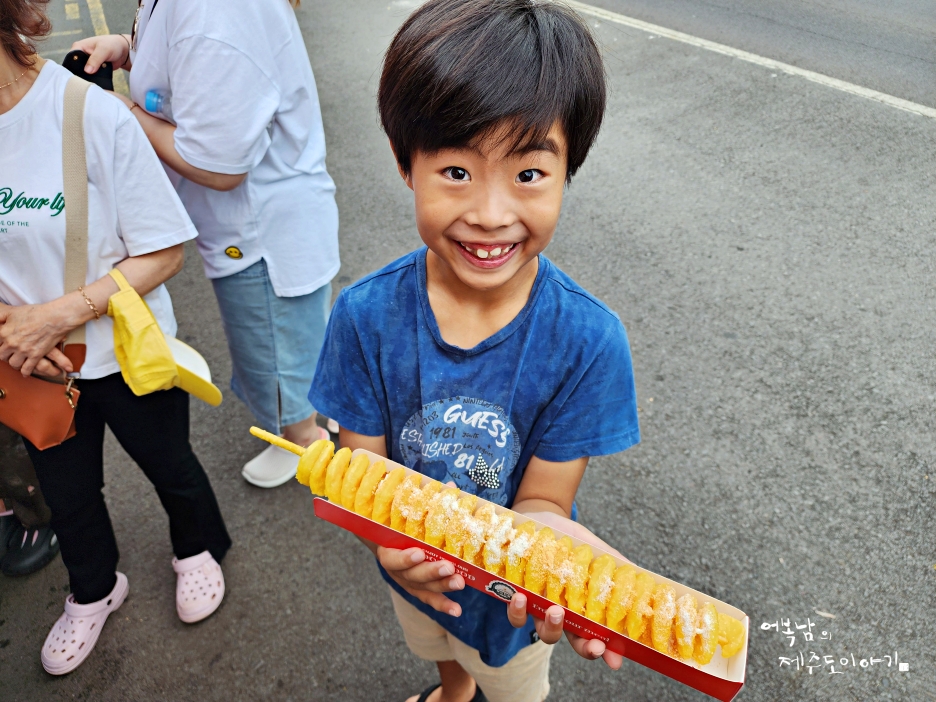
<point>225,92</point>
<point>137,224</point>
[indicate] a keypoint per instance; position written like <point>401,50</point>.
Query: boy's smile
<point>487,255</point>
<point>486,211</point>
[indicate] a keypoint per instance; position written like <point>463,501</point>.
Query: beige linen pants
<point>525,678</point>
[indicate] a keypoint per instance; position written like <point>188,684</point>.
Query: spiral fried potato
<point>623,598</point>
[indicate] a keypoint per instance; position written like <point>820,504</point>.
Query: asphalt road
<point>887,46</point>
<point>766,242</point>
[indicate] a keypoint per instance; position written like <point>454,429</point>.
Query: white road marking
<point>827,81</point>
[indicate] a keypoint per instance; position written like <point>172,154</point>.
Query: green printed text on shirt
<point>10,202</point>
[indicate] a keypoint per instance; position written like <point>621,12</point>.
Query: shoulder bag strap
<point>75,168</point>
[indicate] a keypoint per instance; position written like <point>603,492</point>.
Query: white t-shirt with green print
<point>133,208</point>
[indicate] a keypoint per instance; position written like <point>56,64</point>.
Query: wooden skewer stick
<point>277,441</point>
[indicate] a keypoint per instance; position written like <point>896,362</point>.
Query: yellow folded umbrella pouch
<point>149,360</point>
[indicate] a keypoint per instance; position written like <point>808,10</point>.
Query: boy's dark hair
<point>458,70</point>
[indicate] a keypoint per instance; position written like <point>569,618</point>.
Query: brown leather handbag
<point>43,410</point>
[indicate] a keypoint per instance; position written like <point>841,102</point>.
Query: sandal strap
<point>478,695</point>
<point>428,691</point>
<point>191,563</point>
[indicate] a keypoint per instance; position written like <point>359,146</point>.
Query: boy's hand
<point>550,631</point>
<point>550,628</point>
<point>424,581</point>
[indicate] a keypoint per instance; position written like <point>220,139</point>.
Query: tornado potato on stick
<point>622,598</point>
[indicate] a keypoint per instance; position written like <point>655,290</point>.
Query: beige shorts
<point>525,678</point>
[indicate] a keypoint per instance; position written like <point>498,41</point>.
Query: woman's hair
<point>459,71</point>
<point>21,23</point>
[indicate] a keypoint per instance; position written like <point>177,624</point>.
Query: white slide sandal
<point>76,632</point>
<point>199,587</point>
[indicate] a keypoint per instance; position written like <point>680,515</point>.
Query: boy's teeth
<point>483,253</point>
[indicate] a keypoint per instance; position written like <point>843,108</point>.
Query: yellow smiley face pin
<point>234,252</point>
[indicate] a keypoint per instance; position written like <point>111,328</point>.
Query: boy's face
<point>487,212</point>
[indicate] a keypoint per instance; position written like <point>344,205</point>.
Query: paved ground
<point>766,241</point>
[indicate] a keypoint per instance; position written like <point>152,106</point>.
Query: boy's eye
<point>529,176</point>
<point>456,173</point>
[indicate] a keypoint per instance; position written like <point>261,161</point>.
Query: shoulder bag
<point>43,410</point>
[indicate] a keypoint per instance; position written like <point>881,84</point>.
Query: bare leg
<point>304,432</point>
<point>457,685</point>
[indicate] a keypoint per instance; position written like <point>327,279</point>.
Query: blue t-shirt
<point>556,383</point>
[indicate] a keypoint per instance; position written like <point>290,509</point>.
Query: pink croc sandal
<point>199,587</point>
<point>77,630</point>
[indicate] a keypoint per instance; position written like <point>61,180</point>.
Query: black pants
<point>154,430</point>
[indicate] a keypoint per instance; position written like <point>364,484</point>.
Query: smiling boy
<point>475,360</point>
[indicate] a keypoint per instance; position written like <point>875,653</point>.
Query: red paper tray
<point>721,678</point>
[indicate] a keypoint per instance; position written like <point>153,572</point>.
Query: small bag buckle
<point>69,394</point>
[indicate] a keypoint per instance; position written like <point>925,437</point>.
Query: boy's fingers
<point>614,660</point>
<point>439,602</point>
<point>550,630</point>
<point>587,648</point>
<point>516,610</point>
<point>395,559</point>
<point>410,565</point>
<point>433,576</point>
